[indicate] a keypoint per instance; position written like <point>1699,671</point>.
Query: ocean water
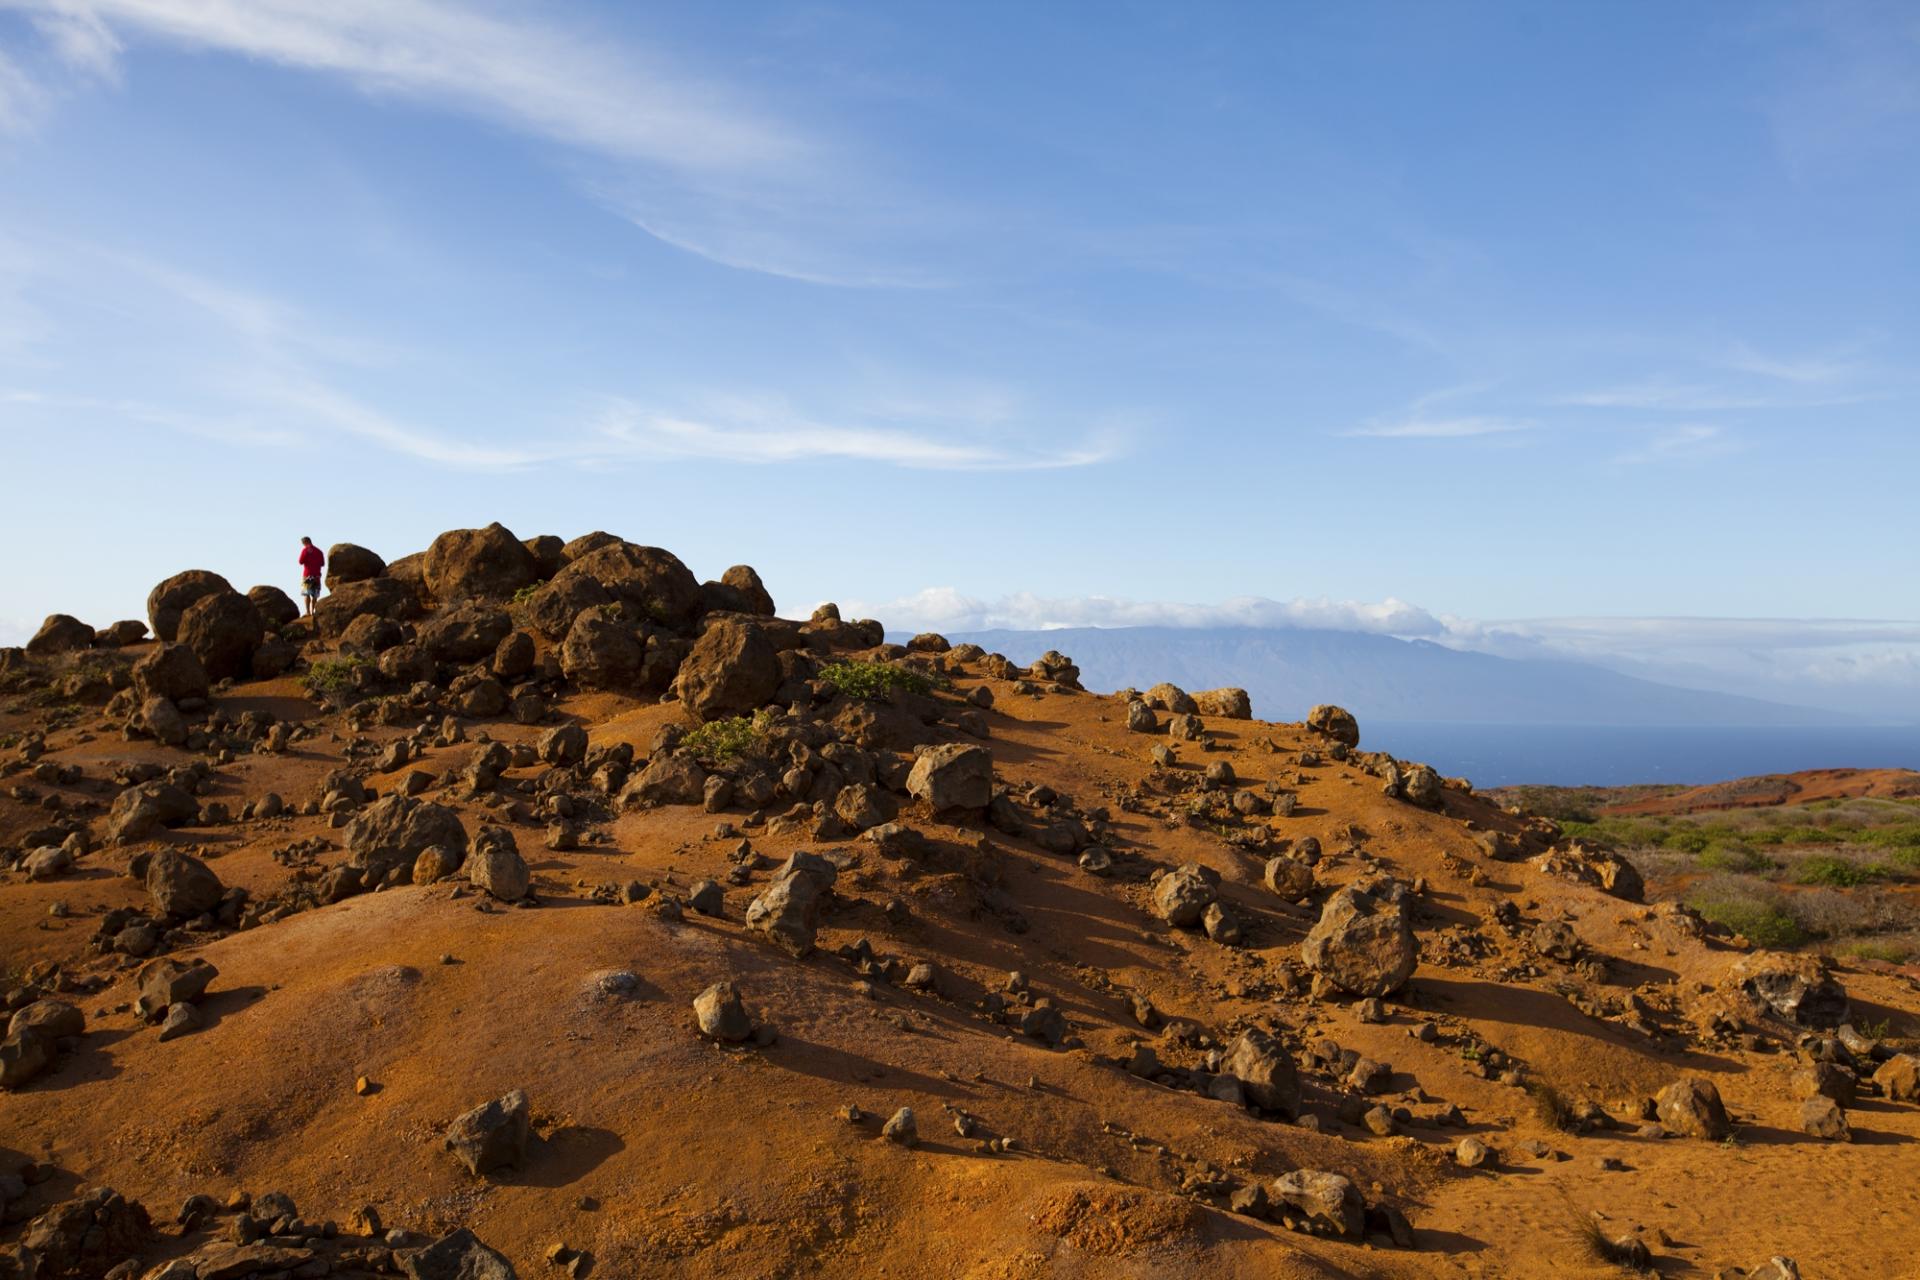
<point>1497,755</point>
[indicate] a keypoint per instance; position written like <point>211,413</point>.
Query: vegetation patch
<point>332,678</point>
<point>874,680</point>
<point>730,738</point>
<point>1751,910</point>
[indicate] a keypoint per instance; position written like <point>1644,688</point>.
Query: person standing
<point>312,561</point>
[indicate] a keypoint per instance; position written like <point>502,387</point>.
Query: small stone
<point>901,1128</point>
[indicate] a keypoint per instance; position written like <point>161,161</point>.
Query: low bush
<point>874,679</point>
<point>729,738</point>
<point>1754,911</point>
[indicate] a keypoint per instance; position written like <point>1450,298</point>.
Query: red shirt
<point>310,561</point>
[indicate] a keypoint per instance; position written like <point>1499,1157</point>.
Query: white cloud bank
<point>1871,667</point>
<point>943,608</point>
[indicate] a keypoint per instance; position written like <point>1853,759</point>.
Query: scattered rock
<point>721,1015</point>
<point>952,776</point>
<point>901,1128</point>
<point>1326,1199</point>
<point>493,1135</point>
<point>1691,1108</point>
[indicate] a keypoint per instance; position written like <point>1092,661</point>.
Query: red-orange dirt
<point>657,1152</point>
<point>1772,789</point>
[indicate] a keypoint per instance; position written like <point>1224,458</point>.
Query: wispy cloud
<point>537,77</point>
<point>1801,370</point>
<point>1688,442</point>
<point>1440,428</point>
<point>266,374</point>
<point>947,609</point>
<point>1670,397</point>
<point>703,166</point>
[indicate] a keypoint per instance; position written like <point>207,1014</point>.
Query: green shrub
<point>874,679</point>
<point>1734,858</point>
<point>526,593</point>
<point>728,738</point>
<point>331,677</point>
<point>1759,914</point>
<point>1838,873</point>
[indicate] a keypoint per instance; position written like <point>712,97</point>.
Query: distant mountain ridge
<point>1286,671</point>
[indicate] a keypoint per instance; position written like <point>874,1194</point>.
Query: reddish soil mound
<point>1778,788</point>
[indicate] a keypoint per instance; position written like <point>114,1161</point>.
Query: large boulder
<point>1228,704</point>
<point>275,607</point>
<point>601,652</point>
<point>1899,1078</point>
<point>120,634</point>
<point>586,544</point>
<point>56,1018</point>
<point>788,910</point>
<point>465,632</point>
<point>738,591</point>
<point>1336,723</point>
<point>1266,1074</point>
<point>60,633</point>
<point>1362,944</point>
<point>555,607</point>
<point>1691,1108</point>
<point>223,629</point>
<point>1183,895</point>
<point>166,602</point>
<point>488,562</point>
<point>954,775</point>
<point>1328,1200</point>
<point>24,1054</point>
<point>495,865</point>
<point>732,670</point>
<point>652,585</point>
<point>667,779</point>
<point>458,1255</point>
<point>170,671</point>
<point>395,830</point>
<point>182,885</point>
<point>1171,697</point>
<point>492,1135</point>
<point>347,562</point>
<point>549,554</point>
<point>391,597</point>
<point>1797,988</point>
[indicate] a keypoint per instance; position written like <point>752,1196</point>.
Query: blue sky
<point>1449,319</point>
